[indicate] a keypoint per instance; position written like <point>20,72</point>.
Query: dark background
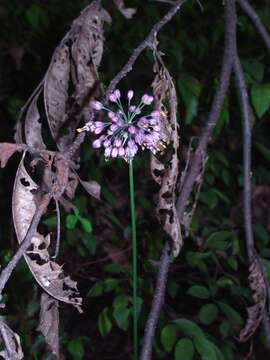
<point>208,282</point>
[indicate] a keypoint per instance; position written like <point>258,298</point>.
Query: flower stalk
<point>134,262</point>
<point>121,135</point>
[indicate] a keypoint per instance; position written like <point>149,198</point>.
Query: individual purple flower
<point>115,96</point>
<point>97,105</point>
<point>125,132</point>
<point>147,100</point>
<point>130,94</point>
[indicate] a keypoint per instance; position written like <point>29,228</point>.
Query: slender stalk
<point>134,261</point>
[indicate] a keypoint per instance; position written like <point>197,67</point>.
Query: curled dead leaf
<point>48,274</point>
<point>7,150</point>
<point>166,172</point>
<point>255,312</point>
<point>49,322</point>
<point>92,187</point>
<point>12,344</point>
<point>126,12</point>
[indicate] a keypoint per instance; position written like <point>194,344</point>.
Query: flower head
<point>125,132</point>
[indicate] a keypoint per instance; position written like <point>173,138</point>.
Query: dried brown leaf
<point>20,130</point>
<point>32,124</point>
<point>92,187</point>
<point>48,273</point>
<point>49,322</point>
<point>74,61</point>
<point>12,344</point>
<point>127,12</point>
<point>255,313</point>
<point>7,150</point>
<point>166,172</point>
<point>56,92</point>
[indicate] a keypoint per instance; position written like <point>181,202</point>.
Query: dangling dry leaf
<point>166,172</point>
<point>255,313</point>
<point>74,61</point>
<point>92,187</point>
<point>7,150</point>
<point>48,273</point>
<point>29,117</point>
<point>32,124</point>
<point>127,12</point>
<point>12,344</point>
<point>56,92</point>
<point>49,322</point>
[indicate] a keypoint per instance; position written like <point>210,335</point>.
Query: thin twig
<point>157,303</point>
<point>241,84</point>
<point>247,145</point>
<point>148,42</point>
<point>194,171</point>
<point>251,13</point>
<point>197,160</point>
<point>41,208</point>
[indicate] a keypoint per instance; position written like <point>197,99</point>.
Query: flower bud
<point>97,105</point>
<point>130,94</point>
<point>147,100</point>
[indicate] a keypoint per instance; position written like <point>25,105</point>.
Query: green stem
<point>134,261</point>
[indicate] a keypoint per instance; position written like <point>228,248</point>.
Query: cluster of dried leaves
<point>165,170</point>
<point>58,104</point>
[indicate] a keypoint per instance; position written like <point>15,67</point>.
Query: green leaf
<point>120,300</point>
<point>231,314</point>
<point>96,290</point>
<point>110,284</point>
<point>205,348</point>
<point>86,224</point>
<point>197,259</point>
<point>168,337</point>
<point>76,349</point>
<point>71,221</point>
<point>89,241</point>
<point>260,96</point>
<point>115,268</point>
<point>121,314</point>
<point>224,329</point>
<point>102,287</point>
<point>198,291</point>
<point>224,281</point>
<point>184,350</point>
<point>233,263</point>
<point>190,89</point>
<point>104,322</point>
<point>208,314</point>
<point>255,69</point>
<point>189,328</point>
<point>218,240</point>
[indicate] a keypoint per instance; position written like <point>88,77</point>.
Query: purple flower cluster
<point>127,131</point>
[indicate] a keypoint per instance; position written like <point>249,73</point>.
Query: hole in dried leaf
<point>24,182</point>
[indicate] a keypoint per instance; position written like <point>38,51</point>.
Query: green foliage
<point>260,95</point>
<point>184,349</point>
<point>104,322</point>
<point>198,291</point>
<point>208,314</point>
<point>168,337</point>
